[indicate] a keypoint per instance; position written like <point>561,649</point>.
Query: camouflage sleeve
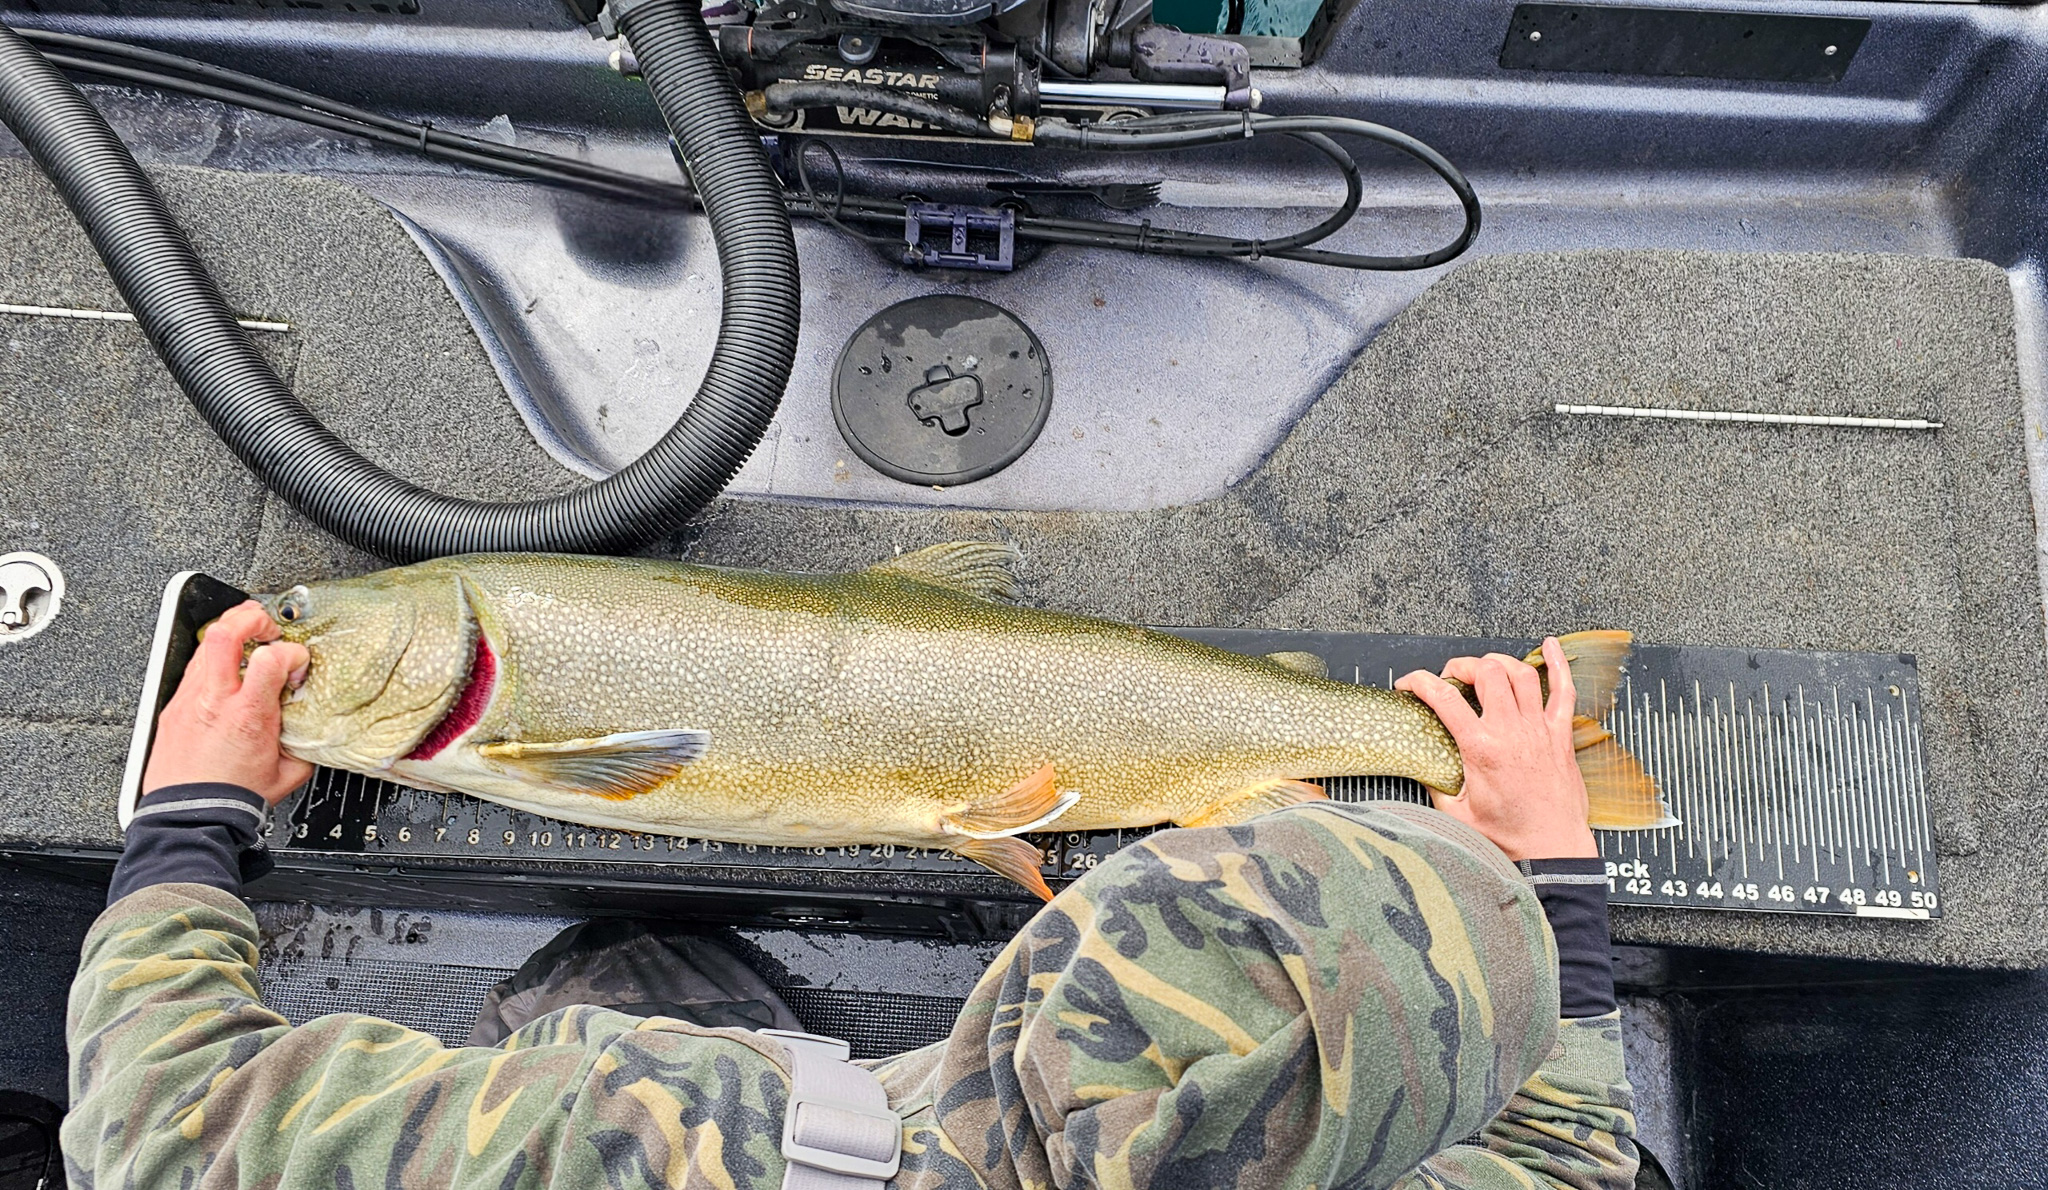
<point>181,1077</point>
<point>1570,1125</point>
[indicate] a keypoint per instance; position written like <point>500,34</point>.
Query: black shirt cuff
<point>205,833</point>
<point>1574,896</point>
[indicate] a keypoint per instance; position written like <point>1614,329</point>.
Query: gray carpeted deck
<point>1431,490</point>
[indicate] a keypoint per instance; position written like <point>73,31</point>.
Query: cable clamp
<point>426,126</point>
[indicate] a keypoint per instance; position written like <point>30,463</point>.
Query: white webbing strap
<point>839,1133</point>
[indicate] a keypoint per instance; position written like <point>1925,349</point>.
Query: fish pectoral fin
<point>1026,806</point>
<point>1302,663</point>
<point>1263,798</point>
<point>1015,858</point>
<point>1620,795</point>
<point>977,568</point>
<point>622,765</point>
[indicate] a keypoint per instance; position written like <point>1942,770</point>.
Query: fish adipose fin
<point>623,765</point>
<point>1026,806</point>
<point>1009,857</point>
<point>1263,798</point>
<point>1301,663</point>
<point>977,568</point>
<point>1620,795</point>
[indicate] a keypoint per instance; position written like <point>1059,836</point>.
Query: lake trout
<point>909,703</point>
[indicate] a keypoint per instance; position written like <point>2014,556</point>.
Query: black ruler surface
<point>1796,777</point>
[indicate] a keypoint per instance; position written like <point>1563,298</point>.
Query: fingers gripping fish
<point>908,703</point>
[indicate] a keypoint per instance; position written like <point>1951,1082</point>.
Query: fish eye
<point>292,607</point>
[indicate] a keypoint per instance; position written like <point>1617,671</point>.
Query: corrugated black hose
<point>180,307</point>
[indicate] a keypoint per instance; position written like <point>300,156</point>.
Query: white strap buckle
<point>834,1107</point>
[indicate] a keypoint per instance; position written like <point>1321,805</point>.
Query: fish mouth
<point>469,705</point>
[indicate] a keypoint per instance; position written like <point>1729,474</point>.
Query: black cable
<point>418,135</point>
<point>222,85</point>
<point>1180,131</point>
<point>803,177</point>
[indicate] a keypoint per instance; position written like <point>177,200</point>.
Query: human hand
<point>1522,784</point>
<point>223,723</point>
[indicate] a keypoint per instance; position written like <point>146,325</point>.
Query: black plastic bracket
<point>957,228</point>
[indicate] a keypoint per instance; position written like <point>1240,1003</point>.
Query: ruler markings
<point>1882,794</point>
<point>1916,766</point>
<point>1901,786</point>
<point>1836,783</point>
<point>1732,789</point>
<point>1860,721</point>
<point>1800,774</point>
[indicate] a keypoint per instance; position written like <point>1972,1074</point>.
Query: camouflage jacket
<point>1322,997</point>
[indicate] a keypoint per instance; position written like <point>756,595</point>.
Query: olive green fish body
<point>853,708</point>
<point>901,704</point>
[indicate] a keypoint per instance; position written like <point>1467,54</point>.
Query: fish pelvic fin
<point>616,767</point>
<point>1620,796</point>
<point>1014,858</point>
<point>978,568</point>
<point>1302,663</point>
<point>1026,806</point>
<point>1263,798</point>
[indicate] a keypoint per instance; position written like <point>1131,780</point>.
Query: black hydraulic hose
<point>180,307</point>
<point>1178,131</point>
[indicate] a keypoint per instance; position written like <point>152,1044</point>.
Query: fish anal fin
<point>1263,798</point>
<point>1301,663</point>
<point>1620,795</point>
<point>1596,659</point>
<point>1025,806</point>
<point>616,767</point>
<point>1014,858</point>
<point>982,569</point>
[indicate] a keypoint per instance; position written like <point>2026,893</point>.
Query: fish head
<point>390,655</point>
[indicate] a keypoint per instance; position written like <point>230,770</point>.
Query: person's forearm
<point>180,1077</point>
<point>204,833</point>
<point>1571,1124</point>
<point>1574,896</point>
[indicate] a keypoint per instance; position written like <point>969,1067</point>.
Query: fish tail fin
<point>1026,806</point>
<point>1014,858</point>
<point>1620,794</point>
<point>1248,804</point>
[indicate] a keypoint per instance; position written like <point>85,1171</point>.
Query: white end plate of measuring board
<point>1796,778</point>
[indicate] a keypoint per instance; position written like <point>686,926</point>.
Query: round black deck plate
<point>942,390</point>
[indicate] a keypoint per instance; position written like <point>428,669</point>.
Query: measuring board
<point>1796,778</point>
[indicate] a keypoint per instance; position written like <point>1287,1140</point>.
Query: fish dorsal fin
<point>977,568</point>
<point>616,767</point>
<point>1301,663</point>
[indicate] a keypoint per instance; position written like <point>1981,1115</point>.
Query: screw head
<point>1830,51</point>
<point>1535,35</point>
